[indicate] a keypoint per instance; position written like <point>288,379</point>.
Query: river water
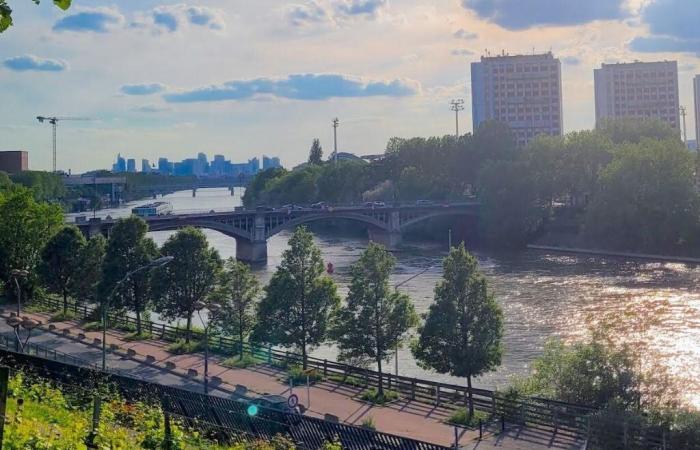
<point>655,305</point>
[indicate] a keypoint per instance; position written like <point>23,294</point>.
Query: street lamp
<point>28,324</point>
<point>16,274</point>
<point>152,265</point>
<point>213,308</point>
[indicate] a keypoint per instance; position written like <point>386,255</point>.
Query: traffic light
<point>252,410</point>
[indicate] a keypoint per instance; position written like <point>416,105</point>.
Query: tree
<point>5,181</point>
<point>463,329</point>
<point>26,226</point>
<point>316,153</point>
<point>634,130</point>
<point>237,292</point>
<point>299,301</point>
<point>6,11</point>
<point>646,199</point>
<point>375,319</point>
<point>86,283</point>
<point>128,249</point>
<point>190,277</point>
<point>61,260</point>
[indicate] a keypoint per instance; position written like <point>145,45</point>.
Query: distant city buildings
<point>640,90</point>
<point>14,161</point>
<point>696,93</point>
<point>523,91</point>
<point>271,163</point>
<point>199,166</point>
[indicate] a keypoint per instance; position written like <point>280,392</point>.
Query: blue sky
<point>245,78</point>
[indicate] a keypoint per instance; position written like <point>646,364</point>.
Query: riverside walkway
<point>149,360</point>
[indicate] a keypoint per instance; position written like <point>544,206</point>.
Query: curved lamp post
<point>152,265</point>
<point>16,274</point>
<point>213,308</point>
<point>25,322</point>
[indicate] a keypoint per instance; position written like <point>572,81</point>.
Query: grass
<point>92,326</point>
<point>349,380</point>
<point>236,362</point>
<point>181,347</point>
<point>368,423</point>
<point>373,396</point>
<point>296,375</point>
<point>125,327</point>
<point>461,417</point>
<point>62,316</point>
<point>138,336</point>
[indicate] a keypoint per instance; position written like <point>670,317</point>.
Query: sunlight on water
<point>654,305</point>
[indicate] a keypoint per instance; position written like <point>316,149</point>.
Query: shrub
<point>368,423</point>
<point>134,336</point>
<point>461,417</point>
<point>297,375</point>
<point>372,396</point>
<point>62,317</point>
<point>236,362</point>
<point>92,326</point>
<point>181,347</point>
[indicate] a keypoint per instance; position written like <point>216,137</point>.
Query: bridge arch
<point>325,215</point>
<point>221,227</point>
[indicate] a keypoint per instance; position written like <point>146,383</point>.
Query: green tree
<point>190,277</point>
<point>316,153</point>
<point>6,11</point>
<point>633,130</point>
<point>646,199</point>
<point>25,228</point>
<point>61,261</point>
<point>463,329</point>
<point>128,249</point>
<point>375,318</point>
<point>5,181</point>
<point>86,283</point>
<point>299,301</point>
<point>256,190</point>
<point>237,293</point>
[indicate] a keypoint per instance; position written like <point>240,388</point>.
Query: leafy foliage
<point>463,329</point>
<point>299,300</point>
<point>89,272</point>
<point>375,319</point>
<point>61,262</point>
<point>316,153</point>
<point>189,278</point>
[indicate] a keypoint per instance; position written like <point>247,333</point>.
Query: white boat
<point>153,209</point>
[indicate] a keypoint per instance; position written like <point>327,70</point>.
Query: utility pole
<point>685,133</point>
<point>54,124</point>
<point>336,122</point>
<point>457,105</point>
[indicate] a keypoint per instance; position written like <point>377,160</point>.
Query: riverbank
<point>589,251</point>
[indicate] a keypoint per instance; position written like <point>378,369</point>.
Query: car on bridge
<point>319,205</point>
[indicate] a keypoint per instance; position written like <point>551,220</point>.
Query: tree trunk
<point>240,338</point>
<point>188,331</point>
<point>470,397</point>
<point>138,322</point>
<point>380,387</point>
<point>65,302</point>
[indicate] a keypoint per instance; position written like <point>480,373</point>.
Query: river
<point>543,295</point>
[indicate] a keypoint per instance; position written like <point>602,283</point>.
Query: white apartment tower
<point>696,92</point>
<point>523,91</point>
<point>638,90</point>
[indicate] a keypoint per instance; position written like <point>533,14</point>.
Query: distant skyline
<point>243,78</point>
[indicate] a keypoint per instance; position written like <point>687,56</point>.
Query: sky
<point>245,78</point>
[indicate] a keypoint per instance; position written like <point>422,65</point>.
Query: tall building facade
<point>641,90</point>
<point>14,161</point>
<point>131,165</point>
<point>523,91</point>
<point>271,162</point>
<point>120,165</point>
<point>696,92</point>
<point>145,166</point>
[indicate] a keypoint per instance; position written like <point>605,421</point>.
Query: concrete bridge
<point>252,229</point>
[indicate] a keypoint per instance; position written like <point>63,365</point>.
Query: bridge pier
<point>251,252</point>
<point>194,192</point>
<point>389,239</point>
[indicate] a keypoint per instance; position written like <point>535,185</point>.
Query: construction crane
<point>54,123</point>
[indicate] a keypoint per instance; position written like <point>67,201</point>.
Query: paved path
<point>405,418</point>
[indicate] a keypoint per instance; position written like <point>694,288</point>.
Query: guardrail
<point>545,415</point>
<point>220,416</point>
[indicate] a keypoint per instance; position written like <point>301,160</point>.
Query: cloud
<point>34,63</point>
<point>571,60</point>
<point>297,87</point>
<point>151,109</point>
<point>360,7</point>
<point>100,20</point>
<point>142,89</point>
<point>308,14</point>
<point>171,18</point>
<point>673,25</point>
<point>462,52</point>
<point>519,14</point>
<point>464,34</point>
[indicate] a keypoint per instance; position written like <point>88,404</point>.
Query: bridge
<point>252,228</point>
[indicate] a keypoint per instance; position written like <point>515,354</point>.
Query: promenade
<point>150,360</point>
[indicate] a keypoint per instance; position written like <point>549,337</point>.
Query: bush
<point>236,362</point>
<point>368,423</point>
<point>372,396</point>
<point>62,317</point>
<point>92,326</point>
<point>297,375</point>
<point>461,417</point>
<point>180,347</point>
<point>349,380</point>
<point>138,336</point>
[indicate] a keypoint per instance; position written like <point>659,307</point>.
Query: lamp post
<point>16,274</point>
<point>213,308</point>
<point>28,324</point>
<point>152,265</point>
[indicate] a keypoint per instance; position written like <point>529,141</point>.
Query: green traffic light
<point>252,410</point>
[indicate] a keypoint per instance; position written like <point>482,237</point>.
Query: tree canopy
<point>316,153</point>
<point>61,262</point>
<point>6,11</point>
